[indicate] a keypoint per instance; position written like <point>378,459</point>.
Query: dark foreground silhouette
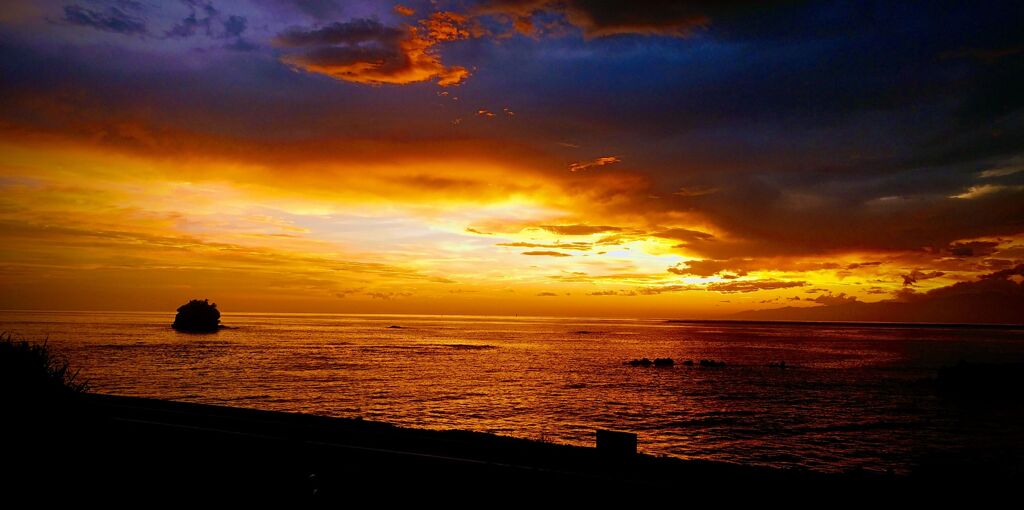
<point>135,446</point>
<point>142,446</point>
<point>197,317</point>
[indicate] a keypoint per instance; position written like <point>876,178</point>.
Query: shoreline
<point>150,445</point>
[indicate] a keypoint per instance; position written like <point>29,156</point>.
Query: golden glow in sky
<point>96,227</point>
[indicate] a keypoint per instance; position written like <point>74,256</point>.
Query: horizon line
<point>668,320</point>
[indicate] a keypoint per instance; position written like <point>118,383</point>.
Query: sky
<point>510,157</point>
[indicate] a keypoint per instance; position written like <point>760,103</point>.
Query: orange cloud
<point>366,51</point>
<point>546,253</point>
<point>752,286</point>
<point>602,161</point>
<point>561,246</point>
<point>579,230</point>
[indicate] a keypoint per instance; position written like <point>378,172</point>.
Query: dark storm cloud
<point>603,17</point>
<point>917,275</point>
<point>200,17</point>
<point>992,298</point>
<point>317,9</point>
<point>349,33</point>
<point>973,248</point>
<point>767,219</point>
<point>234,26</point>
<point>686,236</point>
<point>111,19</point>
<point>204,18</point>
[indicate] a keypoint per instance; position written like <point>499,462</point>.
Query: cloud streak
<point>544,253</point>
<point>579,166</point>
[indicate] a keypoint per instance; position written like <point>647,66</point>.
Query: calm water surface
<point>856,397</point>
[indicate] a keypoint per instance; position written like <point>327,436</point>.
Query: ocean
<point>852,396</point>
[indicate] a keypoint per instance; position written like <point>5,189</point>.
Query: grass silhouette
<point>33,373</point>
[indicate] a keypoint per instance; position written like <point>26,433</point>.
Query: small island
<point>197,316</point>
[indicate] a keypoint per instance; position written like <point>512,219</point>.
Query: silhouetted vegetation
<point>197,316</point>
<point>32,373</point>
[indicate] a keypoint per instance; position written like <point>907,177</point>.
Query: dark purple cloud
<point>111,19</point>
<point>598,18</point>
<point>993,298</point>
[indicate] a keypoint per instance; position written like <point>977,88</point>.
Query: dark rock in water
<point>643,362</point>
<point>197,317</point>
<point>394,327</point>
<point>984,380</point>
<point>710,363</point>
<point>688,363</point>
<point>583,332</point>
<point>646,362</point>
<point>777,364</point>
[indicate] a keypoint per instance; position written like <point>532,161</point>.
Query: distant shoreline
<point>909,325</point>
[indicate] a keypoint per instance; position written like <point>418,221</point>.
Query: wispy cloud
<point>752,285</point>
<point>546,254</point>
<point>585,165</point>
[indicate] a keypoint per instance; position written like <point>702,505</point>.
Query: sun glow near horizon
<point>145,231</point>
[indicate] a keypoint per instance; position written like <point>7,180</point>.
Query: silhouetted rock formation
<point>394,327</point>
<point>710,363</point>
<point>646,362</point>
<point>197,317</point>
